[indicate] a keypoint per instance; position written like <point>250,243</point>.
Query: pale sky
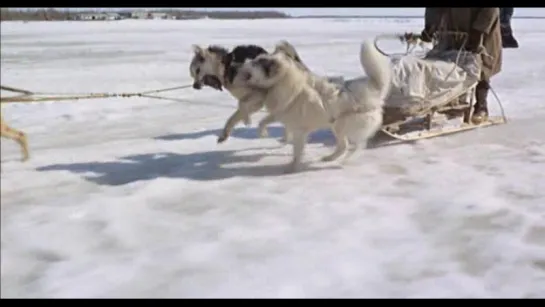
<point>340,11</point>
<point>537,12</point>
<point>335,11</point>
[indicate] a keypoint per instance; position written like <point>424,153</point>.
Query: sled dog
<point>304,102</point>
<point>214,66</point>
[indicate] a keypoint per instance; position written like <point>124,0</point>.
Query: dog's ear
<point>288,49</point>
<point>198,50</point>
<point>280,45</point>
<point>283,46</point>
<point>269,65</point>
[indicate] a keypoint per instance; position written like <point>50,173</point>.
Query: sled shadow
<point>205,166</point>
<point>324,137</point>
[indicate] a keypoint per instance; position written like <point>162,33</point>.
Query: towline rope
<point>27,96</point>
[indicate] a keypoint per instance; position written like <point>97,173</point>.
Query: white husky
<point>305,102</point>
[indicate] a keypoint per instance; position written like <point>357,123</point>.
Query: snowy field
<point>134,198</point>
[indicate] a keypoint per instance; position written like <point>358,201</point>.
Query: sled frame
<point>421,126</point>
<point>452,108</point>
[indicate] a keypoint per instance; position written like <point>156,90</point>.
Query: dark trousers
<point>506,13</point>
<point>481,95</point>
<point>508,40</point>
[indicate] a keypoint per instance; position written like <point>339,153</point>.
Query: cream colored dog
<point>304,102</point>
<point>18,136</point>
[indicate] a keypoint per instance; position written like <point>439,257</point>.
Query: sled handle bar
<point>395,36</point>
<point>405,37</point>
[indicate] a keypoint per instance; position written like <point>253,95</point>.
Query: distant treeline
<point>26,14</point>
<point>226,15</point>
<point>55,14</point>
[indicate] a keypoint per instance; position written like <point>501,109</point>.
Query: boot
<point>507,38</point>
<point>480,111</point>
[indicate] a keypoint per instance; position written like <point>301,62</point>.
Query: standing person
<point>482,25</point>
<point>508,40</point>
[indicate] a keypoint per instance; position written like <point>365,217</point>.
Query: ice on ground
<point>134,198</point>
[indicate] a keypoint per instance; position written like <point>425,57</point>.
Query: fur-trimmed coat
<point>464,19</point>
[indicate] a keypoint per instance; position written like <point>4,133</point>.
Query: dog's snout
<point>247,76</point>
<point>197,85</point>
<point>213,82</point>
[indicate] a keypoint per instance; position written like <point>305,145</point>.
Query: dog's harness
<point>356,109</point>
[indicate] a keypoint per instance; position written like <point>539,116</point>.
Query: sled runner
<point>432,95</point>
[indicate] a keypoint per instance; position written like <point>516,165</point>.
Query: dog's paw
<point>350,158</point>
<point>247,122</point>
<point>283,141</point>
<point>286,139</point>
<point>263,132</point>
<point>329,158</point>
<point>292,168</point>
<point>222,138</point>
<point>296,167</point>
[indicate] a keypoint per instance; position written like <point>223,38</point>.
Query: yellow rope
<point>30,97</point>
<point>15,90</point>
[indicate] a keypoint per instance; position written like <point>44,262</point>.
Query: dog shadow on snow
<point>200,166</point>
<point>324,137</point>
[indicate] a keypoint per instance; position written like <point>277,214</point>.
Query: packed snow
<point>133,197</point>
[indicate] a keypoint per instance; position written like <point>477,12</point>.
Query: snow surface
<point>134,198</point>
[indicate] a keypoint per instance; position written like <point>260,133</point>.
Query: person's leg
<point>508,40</point>
<point>480,111</point>
<point>505,14</point>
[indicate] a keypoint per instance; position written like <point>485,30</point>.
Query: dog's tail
<point>287,48</point>
<point>377,67</point>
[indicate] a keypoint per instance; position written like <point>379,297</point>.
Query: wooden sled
<point>449,119</point>
<point>451,114</point>
<point>413,136</point>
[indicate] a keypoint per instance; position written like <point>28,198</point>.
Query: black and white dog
<point>215,66</point>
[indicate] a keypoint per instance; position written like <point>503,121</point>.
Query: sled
<point>432,95</point>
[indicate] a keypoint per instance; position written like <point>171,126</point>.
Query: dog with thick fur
<point>304,102</point>
<point>18,136</point>
<point>214,66</point>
